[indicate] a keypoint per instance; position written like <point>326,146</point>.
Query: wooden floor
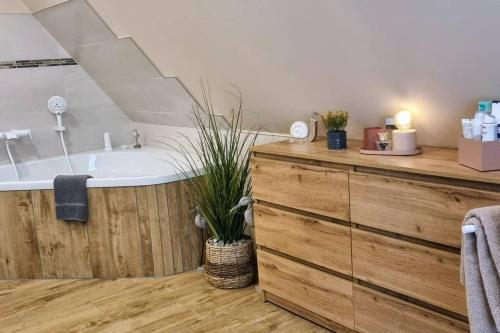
<point>181,303</point>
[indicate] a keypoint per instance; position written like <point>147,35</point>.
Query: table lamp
<point>404,138</point>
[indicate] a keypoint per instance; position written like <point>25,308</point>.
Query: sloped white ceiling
<point>292,57</point>
<point>36,5</point>
<point>13,7</point>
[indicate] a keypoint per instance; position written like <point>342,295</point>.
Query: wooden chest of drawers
<point>365,243</point>
<point>322,293</point>
<point>294,185</point>
<point>421,272</point>
<point>421,209</point>
<point>317,241</point>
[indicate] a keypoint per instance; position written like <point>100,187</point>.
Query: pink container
<point>371,137</point>
<point>479,155</point>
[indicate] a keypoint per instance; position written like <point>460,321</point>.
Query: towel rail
<point>468,229</point>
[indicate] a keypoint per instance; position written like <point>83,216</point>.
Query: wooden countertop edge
<point>475,176</point>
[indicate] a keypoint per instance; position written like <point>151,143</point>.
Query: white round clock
<point>299,130</point>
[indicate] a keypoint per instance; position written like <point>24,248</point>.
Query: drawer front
<point>311,289</point>
<point>424,273</point>
<point>432,212</point>
<point>375,312</point>
<point>310,188</point>
<point>322,243</point>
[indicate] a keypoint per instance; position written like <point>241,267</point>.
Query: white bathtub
<point>133,167</point>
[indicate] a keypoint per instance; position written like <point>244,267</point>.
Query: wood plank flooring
<point>180,303</point>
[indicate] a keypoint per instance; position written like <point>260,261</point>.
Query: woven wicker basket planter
<point>230,266</point>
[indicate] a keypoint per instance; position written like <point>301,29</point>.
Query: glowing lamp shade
<point>402,119</point>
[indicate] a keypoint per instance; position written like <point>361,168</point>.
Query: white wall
<point>13,7</point>
<point>24,93</point>
<point>291,57</point>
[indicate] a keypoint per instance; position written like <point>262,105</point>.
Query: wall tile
<point>114,60</point>
<point>74,24</point>
<point>118,66</point>
<point>23,38</point>
<point>36,5</point>
<point>24,93</point>
<point>153,134</point>
<point>165,95</point>
<point>161,118</point>
<point>23,99</point>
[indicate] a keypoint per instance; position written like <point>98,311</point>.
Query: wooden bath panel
<point>64,246</point>
<point>19,256</point>
<point>131,232</point>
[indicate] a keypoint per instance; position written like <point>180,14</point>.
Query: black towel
<point>71,197</point>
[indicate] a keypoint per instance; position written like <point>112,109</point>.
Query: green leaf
<point>218,167</point>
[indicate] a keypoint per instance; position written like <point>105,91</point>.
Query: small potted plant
<point>335,123</point>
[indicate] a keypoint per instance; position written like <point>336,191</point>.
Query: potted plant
<point>217,164</point>
<point>335,123</point>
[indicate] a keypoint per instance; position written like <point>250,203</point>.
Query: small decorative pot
<point>336,140</point>
<point>230,266</point>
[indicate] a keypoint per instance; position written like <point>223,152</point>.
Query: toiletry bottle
<point>489,128</point>
<point>477,121</point>
<point>495,110</point>
<point>389,124</point>
<point>483,107</point>
<point>467,128</point>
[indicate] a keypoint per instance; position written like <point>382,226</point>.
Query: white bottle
<point>107,142</point>
<point>489,128</point>
<point>467,128</point>
<point>477,122</point>
<point>495,110</point>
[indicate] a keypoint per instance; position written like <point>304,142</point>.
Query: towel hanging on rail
<point>70,194</point>
<point>480,268</point>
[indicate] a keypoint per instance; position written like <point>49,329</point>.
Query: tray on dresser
<point>391,152</point>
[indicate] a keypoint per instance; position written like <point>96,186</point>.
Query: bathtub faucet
<point>136,136</point>
<point>15,134</point>
<point>10,136</point>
